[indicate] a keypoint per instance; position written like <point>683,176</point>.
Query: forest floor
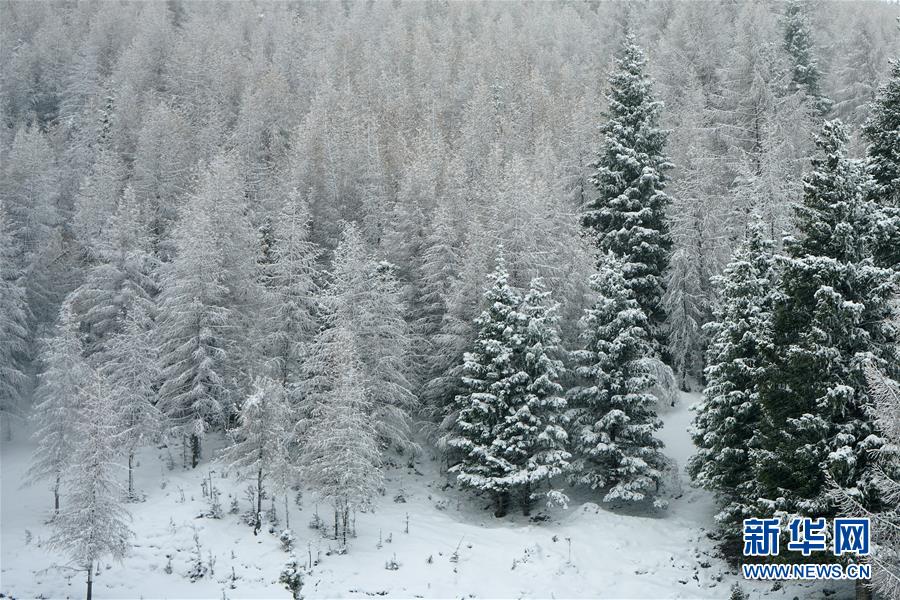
<point>453,548</point>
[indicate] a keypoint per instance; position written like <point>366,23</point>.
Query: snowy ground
<point>613,555</point>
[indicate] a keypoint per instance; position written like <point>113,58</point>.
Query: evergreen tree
<point>799,45</point>
<point>130,366</point>
<point>93,524</point>
<point>882,131</point>
<point>628,217</point>
<point>261,439</point>
<point>493,382</point>
<point>531,438</point>
<point>829,318</point>
<point>728,417</point>
<point>614,413</point>
<point>56,414</point>
<point>14,333</point>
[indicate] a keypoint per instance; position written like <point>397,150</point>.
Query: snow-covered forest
<point>343,299</point>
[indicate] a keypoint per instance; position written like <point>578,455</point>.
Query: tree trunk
<point>259,490</point>
<point>195,450</point>
<point>526,500</point>
<point>336,520</point>
<point>131,474</point>
<point>502,504</point>
<point>56,496</point>
<point>863,591</point>
<point>90,581</point>
<point>287,515</point>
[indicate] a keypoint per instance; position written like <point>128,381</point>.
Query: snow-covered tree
<point>292,290</point>
<point>14,332</point>
<point>799,45</point>
<point>122,278</point>
<point>627,217</point>
<point>531,438</point>
<point>200,322</point>
<point>261,447</point>
<point>94,523</point>
<point>882,131</point>
<point>613,418</point>
<point>56,414</point>
<point>830,316</point>
<point>341,454</point>
<point>130,364</point>
<point>493,383</point>
<point>728,417</point>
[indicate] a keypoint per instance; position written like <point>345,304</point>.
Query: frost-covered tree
<point>798,43</point>
<point>261,447</point>
<point>97,199</point>
<point>613,419</point>
<point>292,289</point>
<point>882,131</point>
<point>493,383</point>
<point>729,414</point>
<point>14,332</point>
<point>830,317</point>
<point>130,364</point>
<point>64,374</point>
<point>94,523</point>
<point>341,454</point>
<point>627,217</point>
<point>200,323</point>
<point>363,297</point>
<point>122,278</point>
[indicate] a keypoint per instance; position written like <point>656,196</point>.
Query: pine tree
<point>799,45</point>
<point>829,318</point>
<point>130,366</point>
<point>93,524</point>
<point>493,382</point>
<point>882,131</point>
<point>531,438</point>
<point>341,456</point>
<point>628,216</point>
<point>728,417</point>
<point>56,414</point>
<point>614,414</point>
<point>14,333</point>
<point>261,439</point>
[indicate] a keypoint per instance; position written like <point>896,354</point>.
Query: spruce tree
<point>627,217</point>
<point>805,74</point>
<point>829,318</point>
<point>614,414</point>
<point>882,131</point>
<point>532,438</point>
<point>492,381</point>
<point>729,415</point>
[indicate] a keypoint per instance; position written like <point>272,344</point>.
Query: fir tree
<point>493,381</point>
<point>829,318</point>
<point>532,439</point>
<point>614,416</point>
<point>627,217</point>
<point>56,414</point>
<point>14,333</point>
<point>882,131</point>
<point>93,524</point>
<point>805,74</point>
<point>729,415</point>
